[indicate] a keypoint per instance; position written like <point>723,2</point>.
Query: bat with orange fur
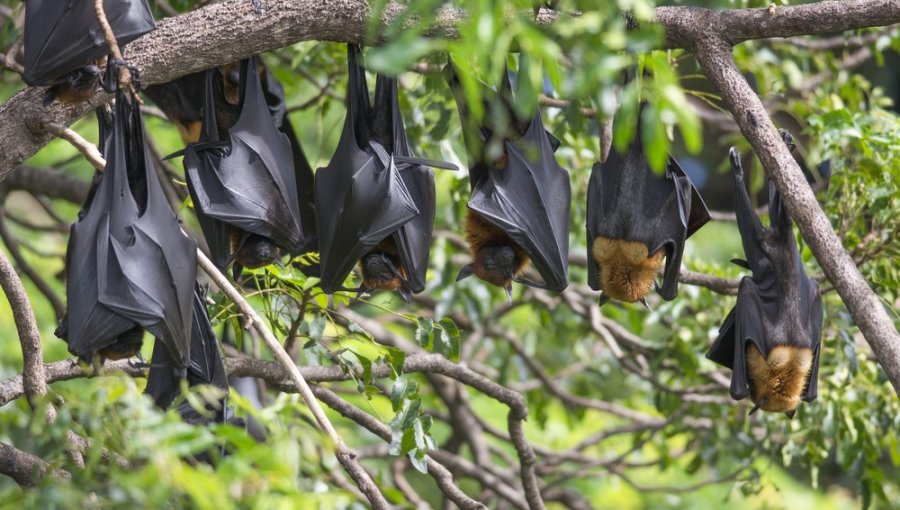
<point>772,337</point>
<point>637,223</point>
<point>518,212</point>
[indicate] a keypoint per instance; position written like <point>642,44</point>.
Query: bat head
<point>627,270</point>
<point>127,345</point>
<point>777,382</point>
<point>253,250</point>
<point>382,271</point>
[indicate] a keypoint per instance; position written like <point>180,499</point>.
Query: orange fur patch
<point>481,234</point>
<point>189,133</point>
<point>627,272</point>
<point>776,383</point>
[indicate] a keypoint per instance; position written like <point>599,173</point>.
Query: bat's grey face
<point>496,265</point>
<point>777,382</point>
<point>381,271</point>
<point>257,251</point>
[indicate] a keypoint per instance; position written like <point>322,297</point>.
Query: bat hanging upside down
<point>496,259</point>
<point>382,269</point>
<point>772,337</point>
<point>637,224</point>
<point>75,87</point>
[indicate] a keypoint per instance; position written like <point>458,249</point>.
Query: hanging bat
<point>62,36</point>
<point>182,101</point>
<point>772,337</point>
<point>244,187</point>
<point>75,87</point>
<point>518,213</point>
<point>128,265</point>
<point>375,200</point>
<point>637,223</point>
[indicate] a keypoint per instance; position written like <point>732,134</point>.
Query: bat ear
<point>603,299</point>
<point>790,414</point>
<point>467,271</point>
<point>755,408</point>
<point>508,290</point>
<point>647,306</point>
<point>788,139</point>
<point>741,262</point>
<point>405,293</point>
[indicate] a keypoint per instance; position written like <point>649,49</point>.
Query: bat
<point>182,101</point>
<point>61,36</point>
<point>518,212</point>
<point>772,337</point>
<point>637,223</point>
<point>205,365</point>
<point>74,87</point>
<point>244,186</point>
<point>128,265</point>
<point>375,201</point>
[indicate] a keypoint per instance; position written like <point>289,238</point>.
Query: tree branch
<point>25,468</point>
<point>34,383</point>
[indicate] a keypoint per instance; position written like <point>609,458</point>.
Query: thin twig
<point>89,150</point>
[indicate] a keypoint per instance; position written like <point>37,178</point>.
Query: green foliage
<point>840,450</point>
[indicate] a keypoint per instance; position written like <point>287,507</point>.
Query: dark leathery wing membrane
<point>635,219</point>
<point>771,339</point>
<point>127,262</point>
<point>374,191</point>
<point>61,36</point>
<point>205,365</point>
<point>246,182</point>
<point>527,196</point>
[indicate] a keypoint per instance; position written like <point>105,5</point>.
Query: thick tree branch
<point>868,312</point>
<point>34,382</point>
<point>23,467</point>
<point>48,182</point>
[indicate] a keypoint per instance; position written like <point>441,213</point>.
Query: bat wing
<point>258,171</point>
<point>413,238</point>
<point>63,35</point>
<point>303,173</point>
<point>360,196</point>
<point>149,263</point>
<point>743,324</point>
<point>699,213</point>
<point>205,364</point>
<point>529,200</point>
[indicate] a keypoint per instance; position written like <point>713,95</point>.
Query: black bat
<point>772,337</point>
<point>182,101</point>
<point>62,36</point>
<point>637,223</point>
<point>205,364</point>
<point>74,87</point>
<point>128,265</point>
<point>518,212</point>
<point>375,200</point>
<point>244,187</point>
